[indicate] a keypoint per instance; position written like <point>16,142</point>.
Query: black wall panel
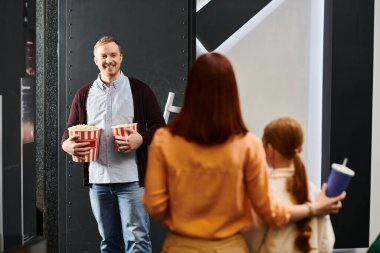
<point>18,184</point>
<point>11,47</point>
<point>154,36</point>
<point>347,111</point>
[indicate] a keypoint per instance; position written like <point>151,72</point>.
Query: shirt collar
<point>115,84</point>
<point>282,172</point>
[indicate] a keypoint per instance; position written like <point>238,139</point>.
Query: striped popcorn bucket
<point>121,130</point>
<point>91,136</point>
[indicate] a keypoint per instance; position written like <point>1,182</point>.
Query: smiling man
<point>116,179</point>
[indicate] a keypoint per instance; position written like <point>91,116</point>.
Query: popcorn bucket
<point>121,130</point>
<point>91,136</point>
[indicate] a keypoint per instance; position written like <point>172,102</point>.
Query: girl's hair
<point>285,135</point>
<point>210,113</point>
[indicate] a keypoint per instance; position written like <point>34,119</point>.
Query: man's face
<point>108,58</point>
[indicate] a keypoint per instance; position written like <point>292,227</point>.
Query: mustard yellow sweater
<point>208,192</point>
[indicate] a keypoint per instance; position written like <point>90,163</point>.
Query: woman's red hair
<point>211,110</point>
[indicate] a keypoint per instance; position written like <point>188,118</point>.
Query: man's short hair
<point>105,40</point>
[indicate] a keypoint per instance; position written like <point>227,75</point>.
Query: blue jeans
<point>122,220</point>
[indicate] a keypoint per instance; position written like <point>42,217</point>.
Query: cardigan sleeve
<point>78,114</point>
<point>148,110</point>
<point>73,118</point>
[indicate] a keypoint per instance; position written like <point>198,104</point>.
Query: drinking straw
<point>345,160</point>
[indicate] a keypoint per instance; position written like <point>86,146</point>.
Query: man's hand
<point>132,141</point>
<point>76,149</point>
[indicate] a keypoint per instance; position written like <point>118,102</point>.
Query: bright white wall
<point>277,57</point>
<point>271,64</point>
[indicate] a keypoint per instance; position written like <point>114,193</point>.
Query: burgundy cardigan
<point>147,115</point>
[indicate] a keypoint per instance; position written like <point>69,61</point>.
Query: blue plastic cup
<point>338,180</point>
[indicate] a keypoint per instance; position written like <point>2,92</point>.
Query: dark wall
<point>347,111</point>
<point>12,49</point>
<point>17,157</point>
<point>154,36</point>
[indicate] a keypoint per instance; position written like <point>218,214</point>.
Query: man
<point>116,179</point>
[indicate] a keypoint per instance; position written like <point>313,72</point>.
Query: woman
<point>283,140</point>
<point>206,171</point>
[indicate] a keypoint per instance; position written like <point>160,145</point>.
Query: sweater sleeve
<point>78,114</point>
<point>152,114</point>
<point>73,118</point>
<point>326,236</point>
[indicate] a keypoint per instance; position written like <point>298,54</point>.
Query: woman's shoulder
<point>248,143</point>
<point>251,138</point>
<point>163,135</point>
<point>162,132</point>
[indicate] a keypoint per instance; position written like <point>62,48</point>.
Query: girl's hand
<point>324,205</point>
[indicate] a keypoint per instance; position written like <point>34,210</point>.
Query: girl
<point>283,139</point>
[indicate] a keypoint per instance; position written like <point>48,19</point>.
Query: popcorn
<point>83,127</point>
<point>87,133</point>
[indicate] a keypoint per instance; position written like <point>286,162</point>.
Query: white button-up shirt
<point>107,107</point>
